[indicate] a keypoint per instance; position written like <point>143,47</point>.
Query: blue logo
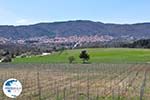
<point>12,88</point>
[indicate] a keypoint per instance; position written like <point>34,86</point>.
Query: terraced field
<point>79,81</point>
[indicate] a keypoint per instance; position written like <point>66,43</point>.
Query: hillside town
<point>70,39</point>
<point>59,40</point>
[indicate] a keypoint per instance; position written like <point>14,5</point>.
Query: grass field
<point>97,55</point>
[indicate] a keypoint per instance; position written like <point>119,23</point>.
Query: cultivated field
<point>97,55</point>
<point>79,81</point>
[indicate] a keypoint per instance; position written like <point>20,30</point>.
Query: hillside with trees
<point>78,27</point>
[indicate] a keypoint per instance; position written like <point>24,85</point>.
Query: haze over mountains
<point>78,27</point>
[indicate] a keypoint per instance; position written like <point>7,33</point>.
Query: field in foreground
<point>97,55</point>
<point>79,81</point>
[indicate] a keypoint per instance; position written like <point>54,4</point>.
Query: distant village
<point>69,39</point>
<point>59,39</point>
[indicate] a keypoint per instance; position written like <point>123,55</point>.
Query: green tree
<point>71,59</point>
<point>84,56</point>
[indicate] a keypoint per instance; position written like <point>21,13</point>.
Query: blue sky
<point>19,12</point>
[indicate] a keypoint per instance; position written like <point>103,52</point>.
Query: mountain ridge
<point>77,27</point>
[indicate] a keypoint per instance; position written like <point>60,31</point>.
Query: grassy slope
<point>97,55</point>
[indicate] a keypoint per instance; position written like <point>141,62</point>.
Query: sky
<point>24,12</point>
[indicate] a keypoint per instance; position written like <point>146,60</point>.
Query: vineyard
<point>79,81</point>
